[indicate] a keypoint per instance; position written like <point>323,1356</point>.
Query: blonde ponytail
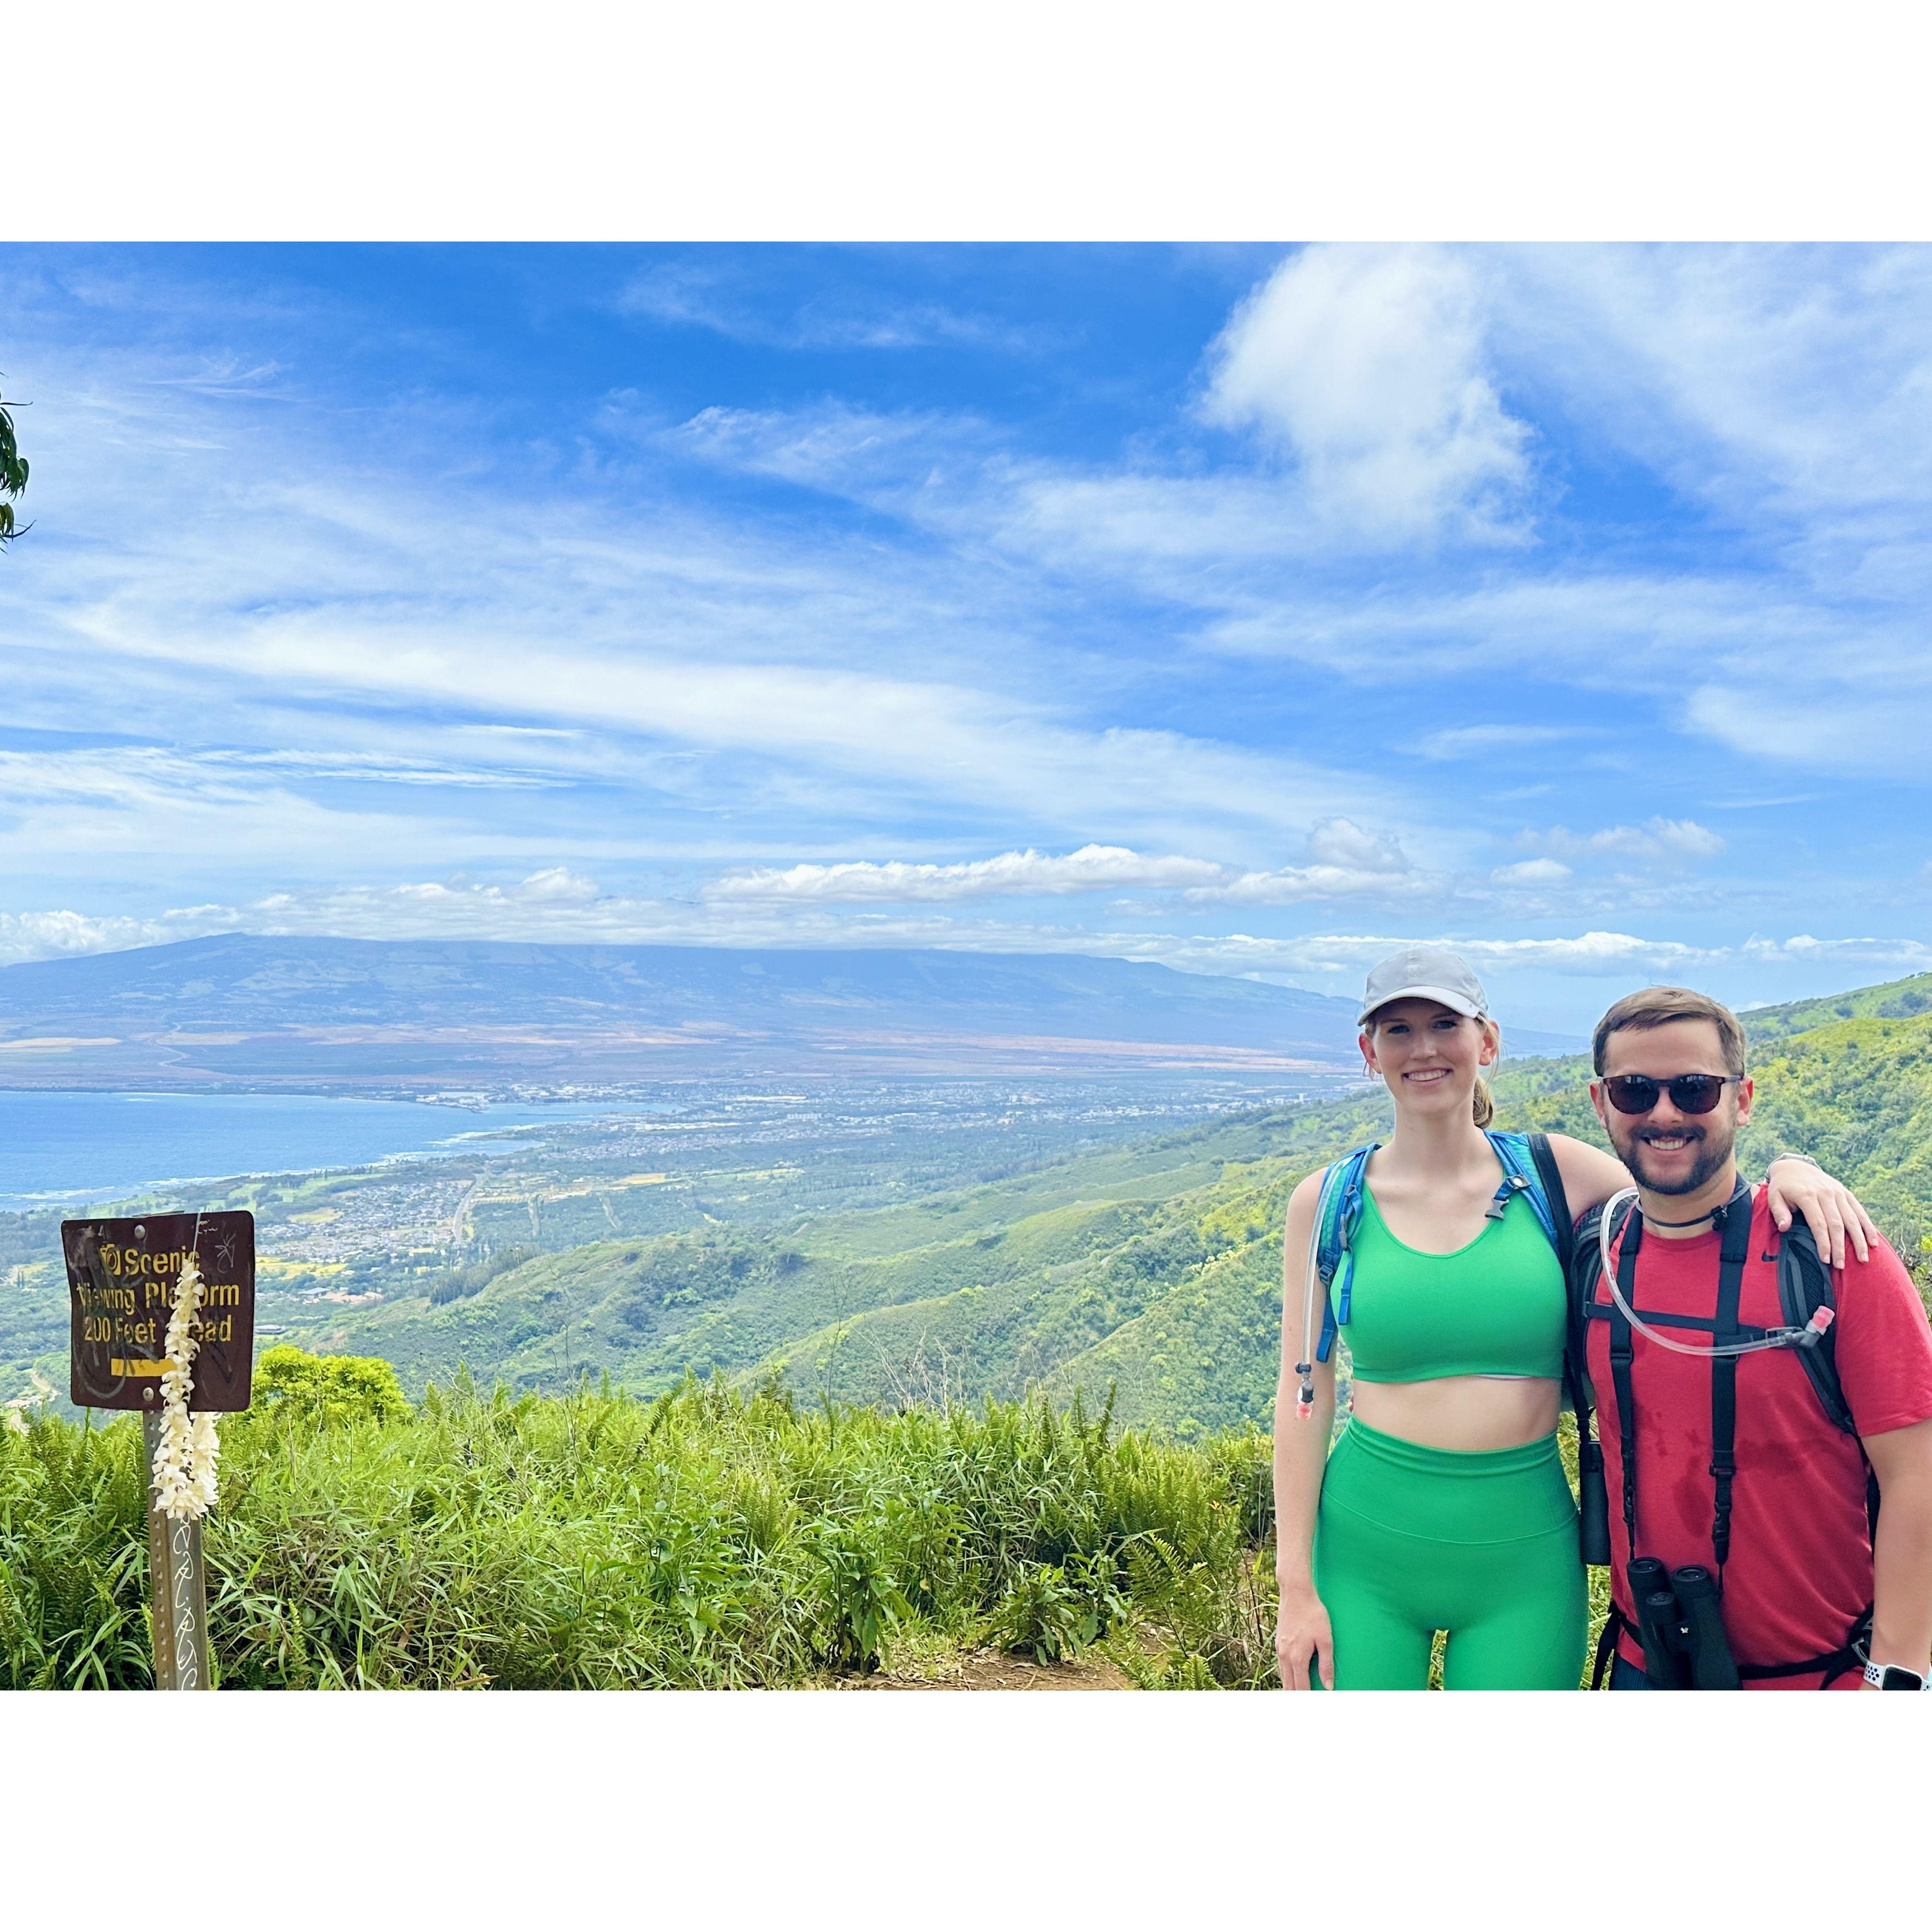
<point>1485,1107</point>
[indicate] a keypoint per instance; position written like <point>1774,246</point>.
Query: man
<point>1782,1523</point>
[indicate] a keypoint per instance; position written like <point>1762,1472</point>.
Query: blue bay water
<point>61,1150</point>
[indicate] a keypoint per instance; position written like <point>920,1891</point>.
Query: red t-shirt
<point>1801,1562</point>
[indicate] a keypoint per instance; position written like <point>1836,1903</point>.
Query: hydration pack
<point>1804,1287</point>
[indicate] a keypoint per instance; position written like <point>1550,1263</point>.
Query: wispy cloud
<point>1092,868</point>
<point>1594,954</point>
<point>691,295</point>
<point>1499,742</point>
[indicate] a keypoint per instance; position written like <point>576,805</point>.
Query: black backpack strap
<point>1551,1175</point>
<point>1833,1664</point>
<point>1736,1217</point>
<point>1607,1645</point>
<point>1804,1287</point>
<point>1620,1367</point>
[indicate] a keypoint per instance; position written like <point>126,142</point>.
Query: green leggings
<point>1411,1541</point>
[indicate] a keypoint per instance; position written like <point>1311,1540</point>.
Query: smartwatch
<point>1894,1677</point>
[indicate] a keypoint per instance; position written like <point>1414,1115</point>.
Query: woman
<point>1444,1506</point>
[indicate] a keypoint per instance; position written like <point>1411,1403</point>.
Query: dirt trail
<point>995,1670</point>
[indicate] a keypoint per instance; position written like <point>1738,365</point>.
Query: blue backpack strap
<point>1520,1177</point>
<point>1338,1213</point>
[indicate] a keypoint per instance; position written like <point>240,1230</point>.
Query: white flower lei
<point>185,1457</point>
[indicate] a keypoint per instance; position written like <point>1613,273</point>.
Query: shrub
<point>328,1390</point>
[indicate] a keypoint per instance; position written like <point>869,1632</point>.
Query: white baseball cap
<point>1425,973</point>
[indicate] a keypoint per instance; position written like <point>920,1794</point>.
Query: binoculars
<point>1684,1646</point>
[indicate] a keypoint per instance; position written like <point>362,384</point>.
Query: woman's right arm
<point>1301,1454</point>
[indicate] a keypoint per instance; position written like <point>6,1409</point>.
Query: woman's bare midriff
<point>1466,1412</point>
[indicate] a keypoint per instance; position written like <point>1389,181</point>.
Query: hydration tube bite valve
<point>1304,1395</point>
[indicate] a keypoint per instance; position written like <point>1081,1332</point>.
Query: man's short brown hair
<point>1658,1005</point>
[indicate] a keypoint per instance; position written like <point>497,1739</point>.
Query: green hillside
<point>1896,1000</point>
<point>1150,1269</point>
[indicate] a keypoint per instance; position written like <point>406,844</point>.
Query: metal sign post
<point>121,1285</point>
<point>178,1588</point>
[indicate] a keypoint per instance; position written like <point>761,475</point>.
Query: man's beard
<point>1715,1143</point>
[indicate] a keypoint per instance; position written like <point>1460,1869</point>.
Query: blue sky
<point>1250,609</point>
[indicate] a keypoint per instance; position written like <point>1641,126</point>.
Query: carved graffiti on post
<point>120,1279</point>
<point>179,1590</point>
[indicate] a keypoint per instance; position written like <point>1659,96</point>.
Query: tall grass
<point>709,1537</point>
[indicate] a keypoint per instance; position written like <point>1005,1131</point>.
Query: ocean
<point>69,1150</point>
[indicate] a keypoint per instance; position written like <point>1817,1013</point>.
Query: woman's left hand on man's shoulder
<point>1833,1213</point>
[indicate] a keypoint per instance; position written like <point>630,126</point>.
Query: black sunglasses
<point>1689,1092</point>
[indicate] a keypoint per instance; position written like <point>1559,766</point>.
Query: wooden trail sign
<point>121,1277</point>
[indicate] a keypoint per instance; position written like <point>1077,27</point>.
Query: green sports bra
<point>1495,1307</point>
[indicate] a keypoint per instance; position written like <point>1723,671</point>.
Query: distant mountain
<point>238,1008</point>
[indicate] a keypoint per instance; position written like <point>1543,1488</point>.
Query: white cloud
<point>1348,861</point>
<point>558,885</point>
<point>1092,868</point>
<point>1684,836</point>
<point>1657,839</point>
<point>1367,365</point>
<point>1342,842</point>
<point>555,905</point>
<point>1587,955</point>
<point>1294,885</point>
<point>55,935</point>
<point>140,804</point>
<point>1913,955</point>
<point>1592,954</point>
<point>1532,872</point>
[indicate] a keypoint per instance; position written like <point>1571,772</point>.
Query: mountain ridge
<point>237,1007</point>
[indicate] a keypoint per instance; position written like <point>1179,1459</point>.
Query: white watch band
<point>1875,1675</point>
